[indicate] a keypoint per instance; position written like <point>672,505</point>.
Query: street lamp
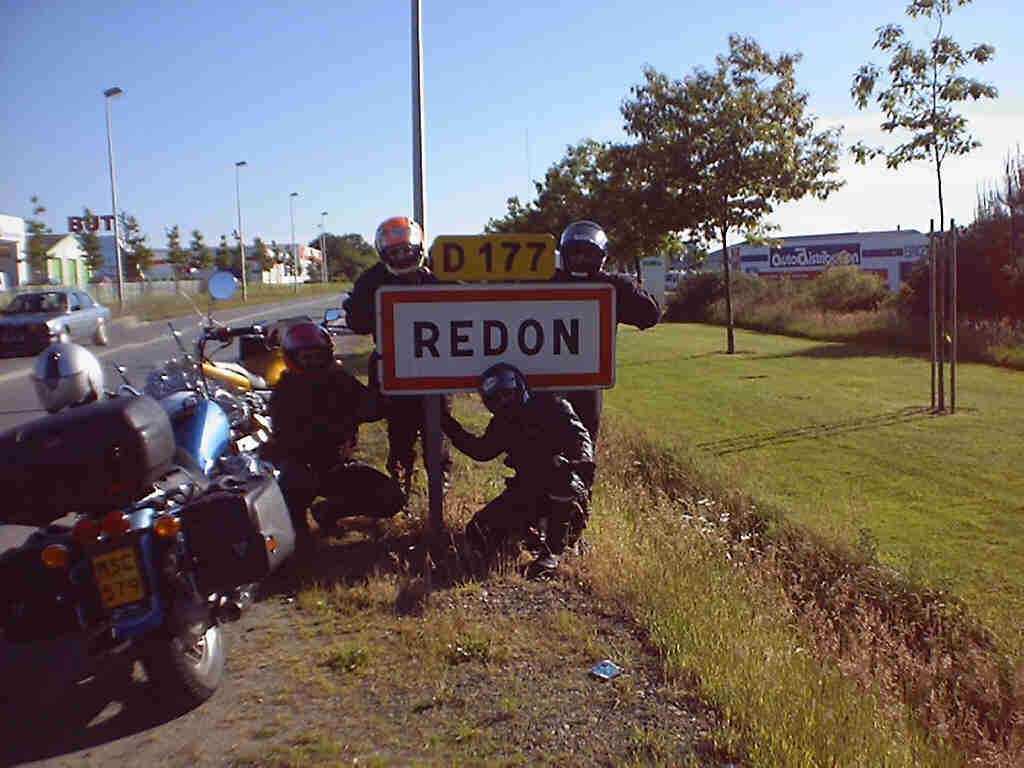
<point>109,94</point>
<point>241,238</point>
<point>323,252</point>
<point>295,260</point>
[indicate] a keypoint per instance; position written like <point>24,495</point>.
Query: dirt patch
<point>322,671</point>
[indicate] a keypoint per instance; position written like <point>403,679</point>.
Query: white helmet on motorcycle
<point>67,375</point>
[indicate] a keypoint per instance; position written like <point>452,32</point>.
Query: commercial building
<point>889,254</point>
<point>65,260</point>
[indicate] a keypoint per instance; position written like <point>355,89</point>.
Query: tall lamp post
<point>109,94</point>
<point>323,252</point>
<point>295,259</point>
<point>241,238</point>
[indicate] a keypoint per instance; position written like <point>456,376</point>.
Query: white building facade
<point>890,254</point>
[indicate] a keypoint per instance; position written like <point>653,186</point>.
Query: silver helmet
<point>67,375</point>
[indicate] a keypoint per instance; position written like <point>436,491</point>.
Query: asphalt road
<point>140,347</point>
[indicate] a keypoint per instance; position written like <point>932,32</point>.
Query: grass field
<point>839,438</point>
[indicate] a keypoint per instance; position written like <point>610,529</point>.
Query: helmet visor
<point>500,390</point>
<point>312,358</point>
<point>582,256</point>
<point>402,256</point>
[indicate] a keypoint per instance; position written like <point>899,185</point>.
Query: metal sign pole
<point>952,319</point>
<point>431,403</point>
<point>931,303</point>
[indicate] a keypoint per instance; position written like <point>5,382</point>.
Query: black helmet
<point>583,248</point>
<point>503,385</point>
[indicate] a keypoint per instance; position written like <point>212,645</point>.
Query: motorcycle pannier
<point>238,532</point>
<point>90,459</point>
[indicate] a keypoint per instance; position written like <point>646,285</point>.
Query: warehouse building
<point>890,254</point>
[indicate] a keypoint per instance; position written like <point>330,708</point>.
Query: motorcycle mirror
<point>222,285</point>
<point>332,316</point>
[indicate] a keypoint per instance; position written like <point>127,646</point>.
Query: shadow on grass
<point>839,350</point>
<point>755,440</point>
<point>361,548</point>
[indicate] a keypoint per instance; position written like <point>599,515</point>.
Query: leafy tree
<point>346,256</point>
<point>732,143</point>
<point>225,256</point>
<point>138,257</point>
<point>598,181</point>
<point>264,254</point>
<point>199,252</point>
<point>176,255</point>
<point>90,244</point>
<point>923,86</point>
<point>37,247</point>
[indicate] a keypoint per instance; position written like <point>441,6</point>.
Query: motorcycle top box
<point>89,459</point>
<point>238,532</point>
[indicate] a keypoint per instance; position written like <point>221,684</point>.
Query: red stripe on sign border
<point>389,296</point>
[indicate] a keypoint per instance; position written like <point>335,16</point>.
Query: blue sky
<point>316,98</point>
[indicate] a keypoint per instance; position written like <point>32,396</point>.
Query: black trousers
<point>506,519</point>
<point>406,425</point>
<point>352,488</point>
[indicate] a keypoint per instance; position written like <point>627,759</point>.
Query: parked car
<point>34,319</point>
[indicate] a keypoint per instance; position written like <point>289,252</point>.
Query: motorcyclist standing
<point>551,452</point>
<point>316,408</point>
<point>399,244</point>
<point>584,249</point>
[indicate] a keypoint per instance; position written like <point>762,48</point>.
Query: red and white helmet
<point>307,348</point>
<point>399,243</point>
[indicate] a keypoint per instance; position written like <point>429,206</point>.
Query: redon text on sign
<point>441,338</point>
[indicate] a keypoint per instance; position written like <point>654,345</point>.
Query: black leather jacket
<point>531,436</point>
<point>633,305</point>
<point>360,311</point>
<point>316,417</point>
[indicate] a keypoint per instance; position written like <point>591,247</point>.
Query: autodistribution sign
<point>439,338</point>
<point>815,256</point>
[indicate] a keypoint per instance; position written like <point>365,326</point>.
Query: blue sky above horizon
<point>317,100</point>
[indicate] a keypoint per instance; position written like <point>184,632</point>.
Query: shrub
<point>847,289</point>
<point>694,296</point>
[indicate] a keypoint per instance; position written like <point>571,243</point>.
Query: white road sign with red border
<point>439,338</point>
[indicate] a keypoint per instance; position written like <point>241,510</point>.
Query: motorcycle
<point>167,518</point>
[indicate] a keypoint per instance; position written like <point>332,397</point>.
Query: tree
<point>37,247</point>
<point>923,86</point>
<point>346,256</point>
<point>732,143</point>
<point>225,254</point>
<point>264,254</point>
<point>176,255</point>
<point>598,181</point>
<point>90,244</point>
<point>138,257</point>
<point>199,252</point>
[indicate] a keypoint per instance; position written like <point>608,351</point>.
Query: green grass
<point>841,439</point>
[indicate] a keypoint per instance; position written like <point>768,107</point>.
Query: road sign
<point>440,338</point>
<point>473,258</point>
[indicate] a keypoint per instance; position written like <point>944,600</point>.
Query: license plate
<point>118,577</point>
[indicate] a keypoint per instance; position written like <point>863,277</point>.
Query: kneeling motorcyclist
<point>551,452</point>
<point>316,409</point>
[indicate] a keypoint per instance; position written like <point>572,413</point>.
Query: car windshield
<point>51,301</point>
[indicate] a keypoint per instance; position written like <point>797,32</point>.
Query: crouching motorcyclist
<point>551,452</point>
<point>316,408</point>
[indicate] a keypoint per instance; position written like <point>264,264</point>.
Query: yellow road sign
<point>473,258</point>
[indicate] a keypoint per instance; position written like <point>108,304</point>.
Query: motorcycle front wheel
<point>189,672</point>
